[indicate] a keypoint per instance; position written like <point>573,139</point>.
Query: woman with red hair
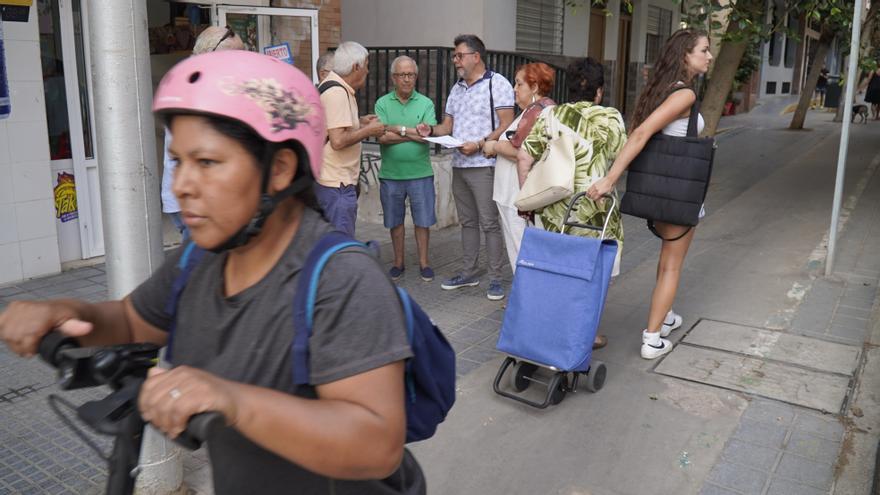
<point>533,82</point>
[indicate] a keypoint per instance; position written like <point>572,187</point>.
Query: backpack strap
<point>192,255</point>
<point>324,86</point>
<point>491,103</point>
<point>306,294</point>
<point>410,326</point>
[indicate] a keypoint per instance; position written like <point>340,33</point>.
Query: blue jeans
<point>339,205</point>
<point>393,194</point>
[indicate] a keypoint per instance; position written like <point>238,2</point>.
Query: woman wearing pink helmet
<point>247,137</point>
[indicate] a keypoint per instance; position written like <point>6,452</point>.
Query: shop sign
<point>281,52</point>
<point>65,198</point>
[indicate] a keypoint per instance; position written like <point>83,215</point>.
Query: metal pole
<point>126,142</point>
<point>844,134</point>
<point>129,182</point>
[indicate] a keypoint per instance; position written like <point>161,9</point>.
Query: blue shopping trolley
<point>554,311</point>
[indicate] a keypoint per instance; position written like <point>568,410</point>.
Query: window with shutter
<point>539,26</point>
<point>658,30</point>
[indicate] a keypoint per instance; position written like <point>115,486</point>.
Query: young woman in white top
<point>663,107</point>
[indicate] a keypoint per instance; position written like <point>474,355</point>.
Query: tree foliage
<point>742,25</point>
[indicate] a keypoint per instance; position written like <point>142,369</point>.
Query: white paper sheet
<point>445,141</point>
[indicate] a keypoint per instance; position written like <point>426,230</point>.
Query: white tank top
<point>679,127</point>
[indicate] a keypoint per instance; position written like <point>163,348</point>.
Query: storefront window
<point>53,80</point>
<point>245,26</point>
<point>82,79</point>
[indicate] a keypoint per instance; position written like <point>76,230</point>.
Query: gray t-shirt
<point>358,326</point>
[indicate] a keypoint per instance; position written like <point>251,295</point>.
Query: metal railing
<point>437,74</point>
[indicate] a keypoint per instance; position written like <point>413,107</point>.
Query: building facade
<point>626,42</point>
<point>50,205</point>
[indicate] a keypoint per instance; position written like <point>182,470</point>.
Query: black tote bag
<point>668,180</point>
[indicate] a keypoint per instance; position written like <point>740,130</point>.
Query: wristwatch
<point>403,131</point>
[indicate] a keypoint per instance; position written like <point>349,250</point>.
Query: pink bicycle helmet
<point>273,98</point>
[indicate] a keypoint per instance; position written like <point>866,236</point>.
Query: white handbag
<point>552,177</point>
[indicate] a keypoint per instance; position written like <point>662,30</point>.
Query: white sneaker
<point>671,322</point>
<point>650,351</point>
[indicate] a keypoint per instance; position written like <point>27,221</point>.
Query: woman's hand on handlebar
<point>169,398</point>
<point>24,323</point>
<point>600,188</point>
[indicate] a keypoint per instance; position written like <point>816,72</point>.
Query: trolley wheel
<point>596,376</point>
<point>522,371</point>
<point>559,391</point>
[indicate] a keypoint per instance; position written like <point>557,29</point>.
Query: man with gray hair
<point>324,65</point>
<point>406,164</point>
<point>336,189</point>
<point>216,38</point>
<point>211,39</point>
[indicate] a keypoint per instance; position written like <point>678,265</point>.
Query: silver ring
<point>174,393</point>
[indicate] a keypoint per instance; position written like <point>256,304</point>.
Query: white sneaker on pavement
<point>653,346</point>
<point>672,321</point>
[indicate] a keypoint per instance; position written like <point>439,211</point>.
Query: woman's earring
<point>534,97</point>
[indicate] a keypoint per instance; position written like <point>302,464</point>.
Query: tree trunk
<point>725,66</point>
<point>721,82</point>
<point>818,56</point>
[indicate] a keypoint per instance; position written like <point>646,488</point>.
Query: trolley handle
<point>571,205</point>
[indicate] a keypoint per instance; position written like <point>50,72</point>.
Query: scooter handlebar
<point>51,346</point>
<point>199,428</point>
<point>50,350</point>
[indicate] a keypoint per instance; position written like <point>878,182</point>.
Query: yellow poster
<point>65,198</point>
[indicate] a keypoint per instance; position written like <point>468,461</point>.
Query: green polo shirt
<point>409,160</point>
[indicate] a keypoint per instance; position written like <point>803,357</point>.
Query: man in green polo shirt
<point>406,164</point>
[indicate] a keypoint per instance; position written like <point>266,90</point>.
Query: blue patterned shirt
<point>469,108</point>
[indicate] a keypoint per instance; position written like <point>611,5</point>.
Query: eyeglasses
<point>405,75</point>
<point>460,55</point>
<point>229,34</point>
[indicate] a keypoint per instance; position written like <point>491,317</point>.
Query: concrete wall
<point>499,24</point>
<point>612,29</point>
<point>411,22</point>
<point>370,205</point>
<point>576,31</point>
<point>428,22</point>
<point>28,239</point>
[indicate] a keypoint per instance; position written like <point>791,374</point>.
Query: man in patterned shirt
<point>479,108</point>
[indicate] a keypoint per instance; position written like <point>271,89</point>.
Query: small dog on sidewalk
<point>860,111</point>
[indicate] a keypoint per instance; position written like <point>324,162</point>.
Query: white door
<point>70,119</point>
<point>265,27</point>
